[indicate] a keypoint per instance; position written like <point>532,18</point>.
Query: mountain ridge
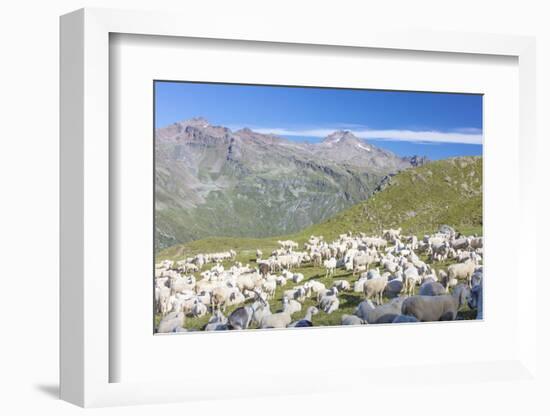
<point>210,180</point>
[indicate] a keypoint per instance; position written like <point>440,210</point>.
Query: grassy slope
<point>442,192</point>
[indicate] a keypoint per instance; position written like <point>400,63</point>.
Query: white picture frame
<point>86,355</point>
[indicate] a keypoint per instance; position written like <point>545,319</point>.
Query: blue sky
<point>433,124</point>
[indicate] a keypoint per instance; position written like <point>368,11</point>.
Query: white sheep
<point>291,306</point>
<point>330,266</point>
<point>276,320</point>
<point>462,271</point>
<point>217,322</point>
<point>329,303</point>
<point>342,285</point>
<point>373,314</point>
<point>297,277</point>
<point>315,287</point>
<point>375,287</point>
<point>298,293</point>
<point>280,280</point>
<point>171,322</point>
<point>269,286</point>
<point>358,286</point>
<point>306,321</point>
<point>198,309</point>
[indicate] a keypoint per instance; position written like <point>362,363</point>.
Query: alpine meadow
<point>295,207</point>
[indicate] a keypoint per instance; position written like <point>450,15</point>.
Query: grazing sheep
<point>247,281</point>
<point>372,274</point>
<point>330,303</point>
<point>358,286</point>
<point>280,280</point>
<point>217,322</point>
<point>180,284</point>
<point>375,287</point>
<point>342,285</point>
<point>431,289</point>
<point>327,292</point>
<point>317,258</point>
<point>220,295</point>
<point>435,308</point>
<point>235,297</point>
<point>242,317</point>
<point>400,319</point>
<point>330,266</point>
<point>263,269</point>
<point>162,298</point>
<point>291,306</point>
<point>476,242</point>
<point>198,309</point>
<point>390,266</point>
<point>362,262</point>
<point>446,281</point>
<point>462,271</point>
<point>315,287</point>
<point>298,293</point>
<point>391,234</point>
<point>276,320</point>
<point>171,322</point>
<point>460,243</point>
<point>393,288</point>
<point>306,320</point>
<point>410,279</point>
<point>369,313</point>
<point>297,277</point>
<point>393,264</point>
<point>269,286</point>
<point>351,320</point>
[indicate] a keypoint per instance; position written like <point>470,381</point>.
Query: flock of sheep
<point>385,267</point>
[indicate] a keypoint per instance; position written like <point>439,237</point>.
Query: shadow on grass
<point>349,299</point>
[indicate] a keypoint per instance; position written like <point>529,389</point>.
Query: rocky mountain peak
<point>200,122</point>
<point>341,136</point>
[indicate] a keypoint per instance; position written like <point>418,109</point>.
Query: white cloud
<point>466,136</point>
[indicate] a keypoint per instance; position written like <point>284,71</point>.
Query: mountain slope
<point>211,181</point>
<point>419,200</point>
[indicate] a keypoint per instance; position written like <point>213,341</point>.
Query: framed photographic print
<point>315,206</point>
<point>231,204</point>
